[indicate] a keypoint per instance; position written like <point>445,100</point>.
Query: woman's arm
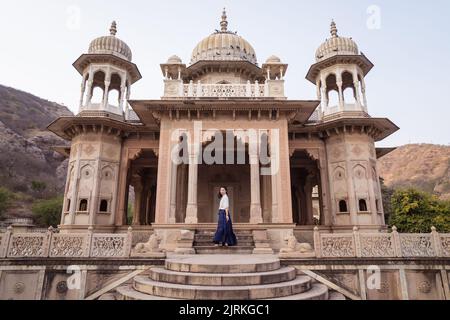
<point>227,205</point>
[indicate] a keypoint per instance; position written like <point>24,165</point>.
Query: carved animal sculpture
<point>152,245</point>
<point>295,247</point>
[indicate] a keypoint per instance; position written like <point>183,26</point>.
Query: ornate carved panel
<point>70,245</point>
<point>109,245</point>
<point>377,245</point>
<point>445,244</point>
<point>335,245</point>
<point>417,245</point>
<point>23,245</point>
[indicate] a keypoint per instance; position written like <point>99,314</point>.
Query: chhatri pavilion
<point>314,163</point>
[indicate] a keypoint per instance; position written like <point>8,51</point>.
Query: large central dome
<point>224,45</point>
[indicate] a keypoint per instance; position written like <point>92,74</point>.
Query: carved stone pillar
<point>266,198</point>
<point>341,96</point>
<point>83,93</point>
<point>192,206</point>
<point>106,94</point>
<point>75,185</point>
<point>95,191</point>
<point>138,189</point>
<point>255,203</point>
<point>308,187</point>
<point>173,193</point>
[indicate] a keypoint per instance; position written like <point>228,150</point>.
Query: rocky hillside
<point>424,166</point>
<point>25,145</point>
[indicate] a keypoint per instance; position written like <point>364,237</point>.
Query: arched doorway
<point>141,195</point>
<point>305,189</point>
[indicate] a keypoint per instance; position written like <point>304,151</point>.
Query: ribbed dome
<point>273,59</point>
<point>224,46</point>
<point>111,45</point>
<point>174,60</point>
<point>336,46</point>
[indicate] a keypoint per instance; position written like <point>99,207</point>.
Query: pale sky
<point>407,41</point>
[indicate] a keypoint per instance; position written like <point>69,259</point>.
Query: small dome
<point>273,59</point>
<point>174,60</point>
<point>336,46</point>
<point>111,45</point>
<point>224,45</point>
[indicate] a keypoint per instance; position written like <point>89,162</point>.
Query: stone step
<point>211,244</point>
<point>224,263</point>
<point>317,292</point>
<point>223,279</point>
<point>267,291</point>
<point>211,236</point>
<point>224,250</point>
<point>128,293</point>
<point>213,231</point>
<point>334,295</point>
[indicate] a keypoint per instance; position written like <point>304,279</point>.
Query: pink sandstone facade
<point>121,169</point>
<point>140,201</point>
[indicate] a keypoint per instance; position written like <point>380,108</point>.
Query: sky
<point>407,41</point>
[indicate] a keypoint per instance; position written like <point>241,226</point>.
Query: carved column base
<point>191,214</point>
<point>256,214</point>
<point>172,220</point>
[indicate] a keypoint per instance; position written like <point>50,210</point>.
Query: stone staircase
<point>203,243</point>
<point>223,277</point>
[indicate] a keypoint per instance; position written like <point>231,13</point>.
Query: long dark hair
<point>219,195</point>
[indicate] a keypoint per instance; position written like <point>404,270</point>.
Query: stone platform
<point>223,277</point>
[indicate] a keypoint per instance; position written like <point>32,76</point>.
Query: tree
<point>416,211</point>
<point>48,212</point>
<point>38,187</point>
<point>386,194</point>
<point>5,200</point>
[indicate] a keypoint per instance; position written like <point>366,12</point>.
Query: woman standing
<point>224,233</point>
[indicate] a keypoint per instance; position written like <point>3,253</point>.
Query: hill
<point>423,166</point>
<point>25,146</point>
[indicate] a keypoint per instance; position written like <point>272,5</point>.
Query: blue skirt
<point>224,233</point>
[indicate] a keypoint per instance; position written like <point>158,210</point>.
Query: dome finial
<point>224,22</point>
<point>334,29</point>
<point>113,29</point>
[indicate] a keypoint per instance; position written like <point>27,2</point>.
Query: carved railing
<point>381,245</point>
<point>65,245</point>
<point>118,245</point>
<point>225,90</point>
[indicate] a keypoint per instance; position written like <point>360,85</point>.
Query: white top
<point>224,202</point>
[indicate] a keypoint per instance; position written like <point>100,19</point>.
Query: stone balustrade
<point>381,245</point>
<point>327,245</point>
<point>248,90</point>
<point>65,245</point>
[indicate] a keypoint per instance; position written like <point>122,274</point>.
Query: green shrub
<point>48,212</point>
<point>5,200</point>
<point>417,211</point>
<point>38,187</point>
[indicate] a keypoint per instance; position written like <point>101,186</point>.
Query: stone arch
<point>114,91</point>
<point>362,205</point>
<point>348,87</point>
<point>87,171</point>
<point>339,173</point>
<point>343,207</point>
<point>98,87</point>
<point>107,173</point>
<point>359,171</point>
